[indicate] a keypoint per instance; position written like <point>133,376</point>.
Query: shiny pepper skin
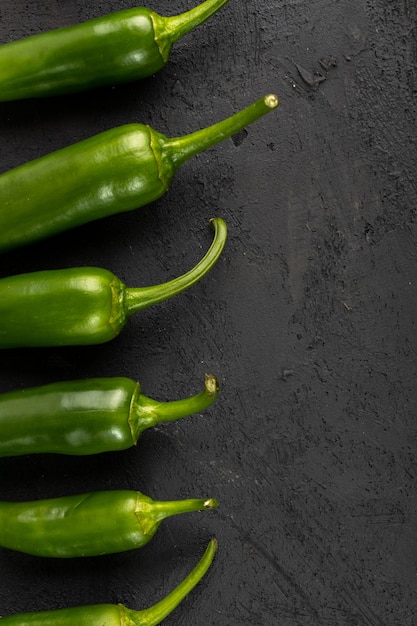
<point>89,524</point>
<point>116,171</point>
<point>84,306</point>
<point>87,416</point>
<point>123,46</point>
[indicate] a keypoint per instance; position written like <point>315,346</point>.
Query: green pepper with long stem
<point>89,416</point>
<point>113,172</point>
<point>117,48</point>
<point>85,305</point>
<point>89,524</point>
<point>117,614</point>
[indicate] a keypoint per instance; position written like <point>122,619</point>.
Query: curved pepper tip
<point>220,228</point>
<point>215,222</point>
<point>212,547</point>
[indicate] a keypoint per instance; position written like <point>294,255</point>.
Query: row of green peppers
<point>116,171</point>
<point>89,417</point>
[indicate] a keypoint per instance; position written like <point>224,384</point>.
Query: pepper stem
<point>158,612</point>
<point>142,297</point>
<point>182,148</point>
<point>150,513</point>
<point>179,25</point>
<point>146,412</point>
<point>169,508</point>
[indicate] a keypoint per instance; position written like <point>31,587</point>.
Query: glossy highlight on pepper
<point>117,614</point>
<point>89,416</point>
<point>124,46</point>
<point>89,524</point>
<point>116,171</point>
<point>85,305</point>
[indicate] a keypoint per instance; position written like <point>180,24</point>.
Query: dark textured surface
<point>308,319</point>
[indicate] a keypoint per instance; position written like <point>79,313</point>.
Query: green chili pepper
<point>117,48</point>
<point>117,614</point>
<point>86,305</point>
<point>89,524</point>
<point>87,416</point>
<point>113,172</point>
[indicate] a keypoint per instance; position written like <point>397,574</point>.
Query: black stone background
<point>308,319</point>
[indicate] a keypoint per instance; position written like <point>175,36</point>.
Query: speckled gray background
<point>308,319</point>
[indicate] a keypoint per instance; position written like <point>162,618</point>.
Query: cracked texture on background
<point>308,319</point>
